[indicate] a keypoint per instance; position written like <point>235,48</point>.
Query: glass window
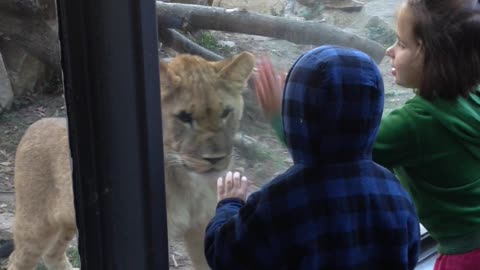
<point>197,151</point>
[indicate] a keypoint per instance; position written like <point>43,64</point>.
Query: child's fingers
<point>259,90</point>
<point>228,182</point>
<point>266,88</point>
<point>261,95</point>
<point>274,84</point>
<point>220,188</point>
<point>264,60</point>
<point>236,180</point>
<point>256,82</point>
<point>262,78</point>
<point>258,79</point>
<point>244,185</point>
<point>268,73</point>
<point>267,62</point>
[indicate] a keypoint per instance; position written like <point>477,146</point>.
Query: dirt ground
<point>267,161</point>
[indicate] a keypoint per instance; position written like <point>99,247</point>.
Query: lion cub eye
<point>226,112</point>
<point>185,117</point>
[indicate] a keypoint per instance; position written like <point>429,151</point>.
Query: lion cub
<point>202,106</point>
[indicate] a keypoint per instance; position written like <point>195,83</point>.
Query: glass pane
<point>197,151</point>
<point>258,151</point>
<point>31,90</point>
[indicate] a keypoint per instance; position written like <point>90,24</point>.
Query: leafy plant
<point>208,41</point>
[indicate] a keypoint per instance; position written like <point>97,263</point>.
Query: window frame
<point>111,80</point>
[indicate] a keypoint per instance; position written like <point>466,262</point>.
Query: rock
<point>193,2</point>
<point>344,5</point>
<point>6,222</point>
<point>289,8</point>
<point>309,3</point>
<point>227,43</point>
<point>25,71</point>
<point>384,9</point>
<point>48,8</point>
<point>380,31</point>
<point>6,92</point>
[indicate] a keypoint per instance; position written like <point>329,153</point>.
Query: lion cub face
<point>201,109</point>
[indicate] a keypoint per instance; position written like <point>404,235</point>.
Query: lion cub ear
<point>168,78</point>
<point>239,68</point>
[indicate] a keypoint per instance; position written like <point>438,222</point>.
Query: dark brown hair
<point>449,32</point>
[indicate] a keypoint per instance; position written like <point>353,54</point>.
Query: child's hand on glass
<point>232,186</point>
<point>269,88</point>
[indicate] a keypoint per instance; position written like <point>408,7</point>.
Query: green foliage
<point>74,257</point>
<point>208,41</point>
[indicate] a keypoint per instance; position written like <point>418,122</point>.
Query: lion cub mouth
<point>207,166</point>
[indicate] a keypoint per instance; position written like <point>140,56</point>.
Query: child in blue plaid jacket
<point>334,208</point>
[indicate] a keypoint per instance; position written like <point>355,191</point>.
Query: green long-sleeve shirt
<point>434,148</point>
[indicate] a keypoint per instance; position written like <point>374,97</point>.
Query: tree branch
<point>180,43</point>
<point>181,16</point>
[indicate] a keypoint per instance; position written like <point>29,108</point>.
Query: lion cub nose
<point>213,160</point>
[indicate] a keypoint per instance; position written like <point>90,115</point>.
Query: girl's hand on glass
<point>269,88</point>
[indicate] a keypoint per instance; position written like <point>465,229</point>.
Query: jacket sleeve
<point>278,128</point>
<point>396,143</point>
<point>239,238</point>
<point>413,243</point>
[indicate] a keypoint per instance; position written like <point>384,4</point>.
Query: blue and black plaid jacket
<point>334,208</point>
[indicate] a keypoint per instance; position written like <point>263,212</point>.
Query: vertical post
<point>111,79</point>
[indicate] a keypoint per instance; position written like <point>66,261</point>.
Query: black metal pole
<point>111,78</point>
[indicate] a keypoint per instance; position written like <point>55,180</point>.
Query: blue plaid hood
<point>330,210</point>
<point>332,106</point>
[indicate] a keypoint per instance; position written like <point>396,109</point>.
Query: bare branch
<point>182,16</point>
<point>178,42</point>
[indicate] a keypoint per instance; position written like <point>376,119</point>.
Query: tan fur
<point>208,91</point>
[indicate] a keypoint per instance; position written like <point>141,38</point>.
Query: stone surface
<point>6,92</point>
<point>24,70</point>
<point>49,10</point>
